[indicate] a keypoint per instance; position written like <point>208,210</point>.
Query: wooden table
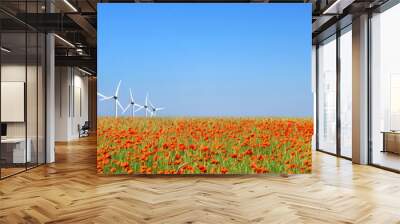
<point>391,141</point>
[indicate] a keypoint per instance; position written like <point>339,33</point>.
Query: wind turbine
<point>153,109</point>
<point>115,97</point>
<point>146,106</point>
<point>133,104</point>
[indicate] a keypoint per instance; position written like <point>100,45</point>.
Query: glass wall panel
<point>385,88</point>
<point>327,95</point>
<point>346,92</point>
<point>13,114</point>
<point>41,98</point>
<point>32,88</point>
<point>31,98</point>
<point>22,88</point>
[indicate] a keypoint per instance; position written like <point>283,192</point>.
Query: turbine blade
<point>116,91</point>
<point>160,108</point>
<point>151,104</point>
<point>138,109</point>
<point>106,98</point>
<point>119,104</point>
<point>130,92</point>
<point>101,95</point>
<point>126,108</point>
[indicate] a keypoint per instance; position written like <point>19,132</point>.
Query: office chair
<point>84,130</point>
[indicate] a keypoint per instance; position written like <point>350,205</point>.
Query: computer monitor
<point>3,129</point>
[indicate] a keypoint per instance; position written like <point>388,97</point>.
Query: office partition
<point>334,95</point>
<point>385,88</point>
<point>22,78</point>
<point>345,93</point>
<point>327,95</point>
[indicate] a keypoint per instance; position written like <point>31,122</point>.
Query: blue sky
<point>207,59</point>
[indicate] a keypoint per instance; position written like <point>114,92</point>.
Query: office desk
<point>13,150</point>
<point>391,141</point>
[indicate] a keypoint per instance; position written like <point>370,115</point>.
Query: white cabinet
<point>17,146</point>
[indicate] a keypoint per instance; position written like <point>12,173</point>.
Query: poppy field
<point>204,145</point>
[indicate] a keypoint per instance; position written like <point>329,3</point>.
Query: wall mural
<point>204,89</point>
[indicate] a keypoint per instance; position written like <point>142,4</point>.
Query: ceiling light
<point>65,41</point>
<point>70,5</point>
<point>333,6</point>
<point>337,7</point>
<point>79,51</point>
<point>5,50</point>
<point>84,71</point>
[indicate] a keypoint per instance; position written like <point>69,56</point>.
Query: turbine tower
<point>146,106</point>
<point>115,97</point>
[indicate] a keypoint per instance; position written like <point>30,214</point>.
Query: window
<point>327,95</point>
<point>385,89</point>
<point>346,92</point>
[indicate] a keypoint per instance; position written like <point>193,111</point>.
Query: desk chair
<point>84,130</point>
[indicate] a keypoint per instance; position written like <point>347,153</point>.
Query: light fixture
<point>5,50</point>
<point>337,7</point>
<point>70,5</point>
<point>84,71</point>
<point>79,51</point>
<point>65,41</point>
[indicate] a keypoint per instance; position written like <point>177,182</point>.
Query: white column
<point>50,100</point>
<point>50,92</point>
<point>360,90</point>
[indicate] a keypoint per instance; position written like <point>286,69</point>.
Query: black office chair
<point>84,130</point>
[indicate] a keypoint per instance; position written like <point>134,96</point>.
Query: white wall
<point>12,73</point>
<point>70,83</point>
<point>34,125</point>
<point>62,82</point>
<point>81,84</point>
<point>16,73</point>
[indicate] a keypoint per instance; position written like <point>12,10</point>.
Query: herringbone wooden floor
<point>70,191</point>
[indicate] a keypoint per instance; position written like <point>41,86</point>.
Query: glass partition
<point>385,89</point>
<point>327,95</point>
<point>31,97</point>
<point>346,92</point>
<point>13,94</point>
<point>41,96</point>
<point>22,88</point>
